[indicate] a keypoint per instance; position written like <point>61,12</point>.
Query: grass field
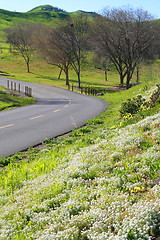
<point>41,72</point>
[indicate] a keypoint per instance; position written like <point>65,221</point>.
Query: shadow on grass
<point>99,86</point>
<point>44,76</point>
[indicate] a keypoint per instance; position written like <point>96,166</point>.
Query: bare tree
<point>125,36</point>
<point>102,61</point>
<point>55,46</point>
<point>64,45</point>
<point>20,37</point>
<point>154,51</point>
<point>78,34</point>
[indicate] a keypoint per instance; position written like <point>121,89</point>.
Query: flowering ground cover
<point>90,186</point>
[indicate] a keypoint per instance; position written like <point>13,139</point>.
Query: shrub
<point>132,106</point>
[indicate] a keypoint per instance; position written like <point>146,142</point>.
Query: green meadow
<point>99,182</point>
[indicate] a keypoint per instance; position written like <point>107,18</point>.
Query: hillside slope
<point>87,187</point>
<point>43,14</point>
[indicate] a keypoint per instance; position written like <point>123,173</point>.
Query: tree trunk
<point>60,73</point>
<point>137,74</point>
<point>67,76</point>
<point>79,79</point>
<point>28,66</point>
<point>105,75</point>
<point>129,76</point>
<point>121,80</point>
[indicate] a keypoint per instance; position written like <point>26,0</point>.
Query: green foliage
<point>95,121</point>
<point>46,8</point>
<point>80,132</point>
<point>49,141</point>
<point>131,106</point>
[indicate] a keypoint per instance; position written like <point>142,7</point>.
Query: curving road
<point>57,111</point>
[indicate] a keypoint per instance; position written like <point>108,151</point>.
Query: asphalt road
<point>57,111</point>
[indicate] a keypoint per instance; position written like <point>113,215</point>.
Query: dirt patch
<point>116,88</point>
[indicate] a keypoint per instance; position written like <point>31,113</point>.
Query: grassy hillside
<point>42,14</point>
<point>101,182</point>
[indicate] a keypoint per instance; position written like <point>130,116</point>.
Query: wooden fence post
<point>30,92</point>
<point>82,90</point>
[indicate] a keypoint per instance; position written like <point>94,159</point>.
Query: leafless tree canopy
<point>125,36</point>
<point>79,37</point>
<point>63,45</point>
<point>20,37</point>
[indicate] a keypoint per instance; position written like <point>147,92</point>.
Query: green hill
<point>41,14</point>
<point>44,14</point>
<point>48,8</point>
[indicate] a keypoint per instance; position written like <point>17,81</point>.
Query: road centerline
<point>57,110</point>
<point>66,105</point>
<point>10,125</point>
<point>36,117</point>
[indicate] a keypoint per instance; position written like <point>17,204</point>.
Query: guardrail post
<point>7,83</point>
<point>30,92</point>
<point>26,90</point>
<point>81,89</point>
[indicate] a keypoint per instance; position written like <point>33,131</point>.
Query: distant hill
<point>48,8</point>
<point>42,14</point>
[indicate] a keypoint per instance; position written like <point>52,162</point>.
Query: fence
<point>87,90</point>
<point>17,87</point>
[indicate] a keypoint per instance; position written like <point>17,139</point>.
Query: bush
<point>132,106</point>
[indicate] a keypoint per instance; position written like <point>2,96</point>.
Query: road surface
<point>57,111</point>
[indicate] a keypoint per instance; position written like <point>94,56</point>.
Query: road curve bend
<point>56,111</point>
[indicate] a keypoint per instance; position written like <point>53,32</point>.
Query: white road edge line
<point>73,122</point>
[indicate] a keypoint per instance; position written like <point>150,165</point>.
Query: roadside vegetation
<point>98,182</point>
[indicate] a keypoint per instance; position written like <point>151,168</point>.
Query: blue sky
<point>152,6</point>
